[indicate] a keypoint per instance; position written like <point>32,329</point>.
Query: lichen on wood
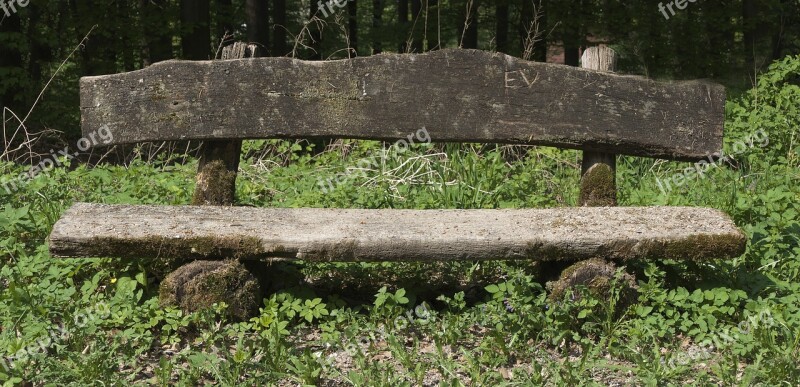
<point>464,96</point>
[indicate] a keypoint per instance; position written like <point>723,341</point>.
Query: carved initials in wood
<point>511,78</point>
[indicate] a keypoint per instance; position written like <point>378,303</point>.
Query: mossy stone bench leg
<point>200,284</point>
<point>597,275</point>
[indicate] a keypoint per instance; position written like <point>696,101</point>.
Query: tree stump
<point>200,284</point>
<point>597,275</point>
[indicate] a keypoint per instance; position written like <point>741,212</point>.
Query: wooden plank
<point>315,234</point>
<point>457,95</point>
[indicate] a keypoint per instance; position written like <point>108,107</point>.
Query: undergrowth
<point>97,322</point>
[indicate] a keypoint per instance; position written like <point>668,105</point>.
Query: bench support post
<point>598,189</point>
<point>598,170</point>
<point>219,159</point>
<point>216,173</point>
<point>200,284</point>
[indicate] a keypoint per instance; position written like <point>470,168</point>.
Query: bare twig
<point>467,23</point>
<point>299,39</point>
<point>532,32</point>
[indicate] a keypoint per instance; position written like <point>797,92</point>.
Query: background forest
<point>99,322</point>
<point>727,40</point>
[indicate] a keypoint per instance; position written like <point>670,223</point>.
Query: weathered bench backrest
<point>457,95</point>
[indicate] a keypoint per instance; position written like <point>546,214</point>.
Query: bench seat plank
<point>317,234</point>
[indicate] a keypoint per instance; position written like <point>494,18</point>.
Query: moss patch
<point>200,284</point>
<point>598,187</point>
<point>216,185</point>
<point>337,251</point>
<point>697,247</point>
<point>597,275</point>
<point>163,255</point>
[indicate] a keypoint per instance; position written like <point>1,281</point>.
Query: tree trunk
<point>574,30</point>
<point>156,34</point>
<point>279,26</point>
<point>432,32</point>
<point>316,34</point>
<point>39,50</point>
<point>196,29</point>
<point>12,92</point>
<point>279,46</point>
<point>377,24</point>
<point>126,43</point>
<point>352,27</point>
<point>99,56</point>
<point>258,25</point>
<point>225,22</point>
<point>402,22</point>
<point>501,29</point>
<point>418,26</point>
<point>757,35</point>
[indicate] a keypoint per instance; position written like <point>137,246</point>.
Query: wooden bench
<point>457,96</point>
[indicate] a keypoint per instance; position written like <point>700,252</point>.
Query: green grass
<point>97,322</point>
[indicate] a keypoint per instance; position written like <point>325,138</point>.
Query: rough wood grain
<point>458,95</point>
<point>97,230</point>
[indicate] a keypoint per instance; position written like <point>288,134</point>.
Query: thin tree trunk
<point>99,55</point>
<point>501,29</point>
<point>39,51</point>
<point>352,26</point>
<point>225,22</point>
<point>757,35</point>
<point>433,26</point>
<point>279,46</point>
<point>316,34</point>
<point>196,29</point>
<point>11,64</point>
<point>126,45</point>
<point>469,21</point>
<point>158,40</point>
<point>402,22</point>
<point>377,24</point>
<point>258,25</point>
<point>418,25</point>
